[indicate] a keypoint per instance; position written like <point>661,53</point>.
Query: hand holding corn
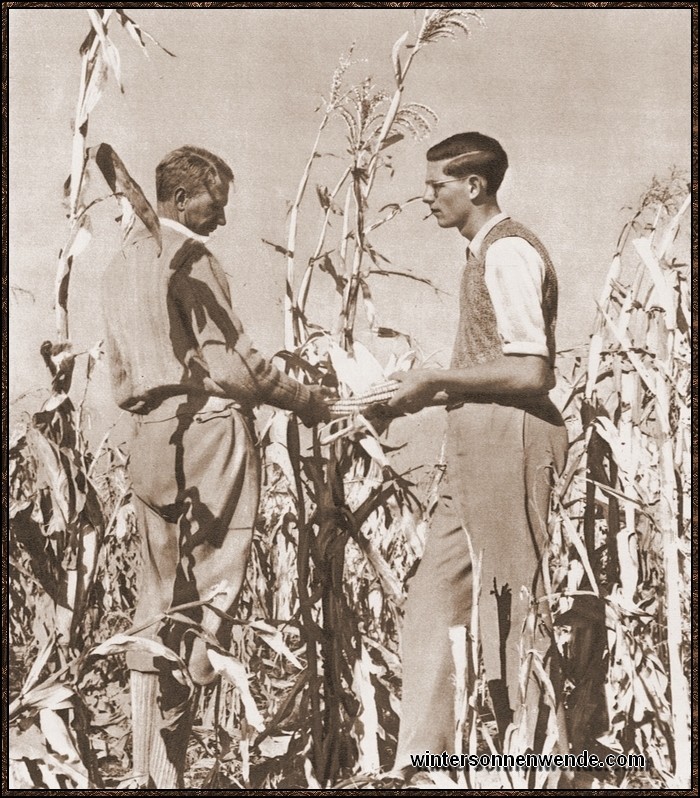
<point>416,390</point>
<point>317,410</point>
<point>404,392</point>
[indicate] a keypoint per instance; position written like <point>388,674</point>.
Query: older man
<point>183,367</point>
<point>505,443</point>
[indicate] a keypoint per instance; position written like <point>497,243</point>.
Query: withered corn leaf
<point>121,182</point>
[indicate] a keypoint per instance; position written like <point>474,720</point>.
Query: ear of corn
<point>359,403</point>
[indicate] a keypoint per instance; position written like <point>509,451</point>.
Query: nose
<point>221,218</point>
<point>428,195</point>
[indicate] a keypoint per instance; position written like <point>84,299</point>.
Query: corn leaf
<point>396,57</point>
<point>273,637</point>
<point>109,51</point>
<point>234,671</point>
<point>94,89</point>
<point>120,182</point>
<point>138,34</point>
<point>365,729</point>
<point>121,643</point>
<point>359,371</point>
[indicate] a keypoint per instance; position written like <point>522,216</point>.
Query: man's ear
<point>180,197</point>
<point>477,186</point>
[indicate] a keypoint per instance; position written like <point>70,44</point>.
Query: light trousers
<point>501,461</point>
<point>195,472</point>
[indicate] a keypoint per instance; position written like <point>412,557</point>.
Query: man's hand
<point>317,412</point>
<point>417,390</point>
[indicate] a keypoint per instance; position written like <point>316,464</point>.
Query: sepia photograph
<point>349,398</point>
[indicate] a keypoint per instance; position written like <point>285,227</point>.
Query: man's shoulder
<point>511,228</point>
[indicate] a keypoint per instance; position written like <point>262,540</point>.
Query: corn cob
<point>376,395</point>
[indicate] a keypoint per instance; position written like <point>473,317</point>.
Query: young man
<point>183,367</point>
<point>505,442</point>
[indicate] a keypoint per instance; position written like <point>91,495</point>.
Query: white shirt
<point>182,229</point>
<point>514,275</point>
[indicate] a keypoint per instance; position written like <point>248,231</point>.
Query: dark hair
<point>193,168</point>
<point>473,153</point>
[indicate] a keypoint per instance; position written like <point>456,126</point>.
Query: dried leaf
<point>53,474</point>
<point>47,695</point>
<point>235,672</point>
<point>38,665</point>
<point>388,332</point>
<point>81,235</point>
<point>359,370</point>
<point>326,200</point>
<point>109,51</point>
<point>393,139</point>
<point>124,521</point>
<point>594,351</point>
<point>27,743</point>
<point>121,643</point>
<point>664,292</point>
<point>396,58</point>
<point>273,637</point>
<point>279,248</point>
<point>326,265</point>
<point>277,450</point>
<point>137,33</point>
<point>127,217</point>
<point>94,89</point>
<point>672,227</point>
<point>120,182</point>
<point>19,777</point>
<point>365,729</point>
<point>370,308</point>
<point>374,449</point>
<point>60,739</point>
<point>275,746</point>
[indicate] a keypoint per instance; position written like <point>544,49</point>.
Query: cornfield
<point>311,684</point>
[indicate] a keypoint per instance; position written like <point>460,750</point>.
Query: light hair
<point>192,168</point>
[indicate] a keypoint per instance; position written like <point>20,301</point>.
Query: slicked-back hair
<point>472,153</point>
<point>193,168</point>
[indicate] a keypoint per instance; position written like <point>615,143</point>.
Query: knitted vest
<point>477,338</point>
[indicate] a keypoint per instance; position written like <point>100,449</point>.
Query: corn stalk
<point>624,502</point>
<point>60,526</point>
<point>346,498</point>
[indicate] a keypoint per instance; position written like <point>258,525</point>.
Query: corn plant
<point>345,503</point>
<point>62,517</point>
<point>622,521</point>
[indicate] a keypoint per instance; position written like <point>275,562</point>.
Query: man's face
<point>204,211</point>
<point>447,196</point>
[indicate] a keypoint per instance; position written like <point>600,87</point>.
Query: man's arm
<point>201,297</point>
<point>517,375</point>
<point>514,273</point>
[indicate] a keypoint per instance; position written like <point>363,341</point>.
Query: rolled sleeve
<point>514,275</point>
<point>221,347</point>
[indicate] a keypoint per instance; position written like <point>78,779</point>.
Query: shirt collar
<point>475,244</point>
<point>171,223</point>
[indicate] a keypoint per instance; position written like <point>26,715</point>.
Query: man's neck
<point>168,221</point>
<point>481,215</point>
<point>167,210</point>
